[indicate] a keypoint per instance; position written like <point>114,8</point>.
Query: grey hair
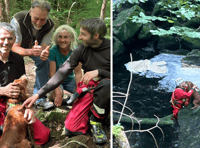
<point>71,31</point>
<point>41,4</point>
<point>8,27</point>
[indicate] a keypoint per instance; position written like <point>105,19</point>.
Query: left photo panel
<point>55,73</point>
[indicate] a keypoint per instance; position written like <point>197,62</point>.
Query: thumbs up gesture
<point>45,54</point>
<point>37,49</point>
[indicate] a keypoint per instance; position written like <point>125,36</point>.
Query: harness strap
<point>172,101</point>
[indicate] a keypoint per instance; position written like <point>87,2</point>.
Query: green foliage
<point>180,9</point>
<point>107,22</point>
<point>82,9</point>
<point>117,129</point>
<point>19,5</point>
<point>143,19</point>
<point>186,9</point>
<point>118,3</point>
<point>176,30</point>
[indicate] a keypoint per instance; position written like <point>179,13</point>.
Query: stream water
<point>145,101</point>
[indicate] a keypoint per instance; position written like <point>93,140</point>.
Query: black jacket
<point>24,20</point>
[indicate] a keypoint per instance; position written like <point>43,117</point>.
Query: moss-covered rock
<point>118,49</point>
<point>192,58</point>
<point>193,23</point>
<point>190,43</point>
<point>159,10</point>
<point>177,52</point>
<point>123,28</point>
<point>145,33</point>
<point>189,127</point>
<point>167,42</point>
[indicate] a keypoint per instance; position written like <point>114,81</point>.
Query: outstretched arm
<point>54,82</point>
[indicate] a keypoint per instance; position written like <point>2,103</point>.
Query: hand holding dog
<point>29,116</point>
<point>12,90</point>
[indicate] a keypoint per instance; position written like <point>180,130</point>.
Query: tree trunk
<point>103,9</point>
<point>3,15</point>
<point>7,4</point>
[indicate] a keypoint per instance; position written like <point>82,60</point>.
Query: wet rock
<point>190,43</point>
<point>118,49</point>
<point>167,42</point>
<point>192,58</point>
<point>177,52</point>
<point>123,28</point>
<point>145,33</point>
<point>189,128</point>
<point>193,23</point>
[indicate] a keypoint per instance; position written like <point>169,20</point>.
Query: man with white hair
<point>180,97</point>
<point>11,68</point>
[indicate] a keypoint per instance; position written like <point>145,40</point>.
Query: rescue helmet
<point>179,81</point>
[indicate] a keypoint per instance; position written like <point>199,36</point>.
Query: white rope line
<point>126,93</point>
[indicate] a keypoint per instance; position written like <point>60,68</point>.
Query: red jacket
<point>179,96</point>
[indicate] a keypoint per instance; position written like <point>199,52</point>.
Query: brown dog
<point>17,131</point>
<point>195,95</point>
<point>23,82</point>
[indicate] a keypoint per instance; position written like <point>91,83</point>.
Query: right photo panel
<point>156,74</point>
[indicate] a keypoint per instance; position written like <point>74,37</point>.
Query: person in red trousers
<point>94,55</point>
<point>11,68</point>
<point>180,97</point>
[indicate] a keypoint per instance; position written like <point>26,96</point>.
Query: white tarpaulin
<point>144,65</point>
<point>174,71</point>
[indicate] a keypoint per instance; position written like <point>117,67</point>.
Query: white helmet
<point>179,81</point>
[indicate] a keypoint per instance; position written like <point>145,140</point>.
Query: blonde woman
<point>64,42</point>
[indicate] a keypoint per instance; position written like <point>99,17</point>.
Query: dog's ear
<point>21,109</point>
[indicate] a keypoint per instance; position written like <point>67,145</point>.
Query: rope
<point>126,93</point>
<point>82,144</point>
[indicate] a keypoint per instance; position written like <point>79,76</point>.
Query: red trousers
<point>77,118</point>
<point>176,110</point>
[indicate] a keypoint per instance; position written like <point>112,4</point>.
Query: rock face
<point>192,58</point>
<point>136,34</point>
<point>189,127</point>
<point>123,28</point>
<point>118,49</point>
